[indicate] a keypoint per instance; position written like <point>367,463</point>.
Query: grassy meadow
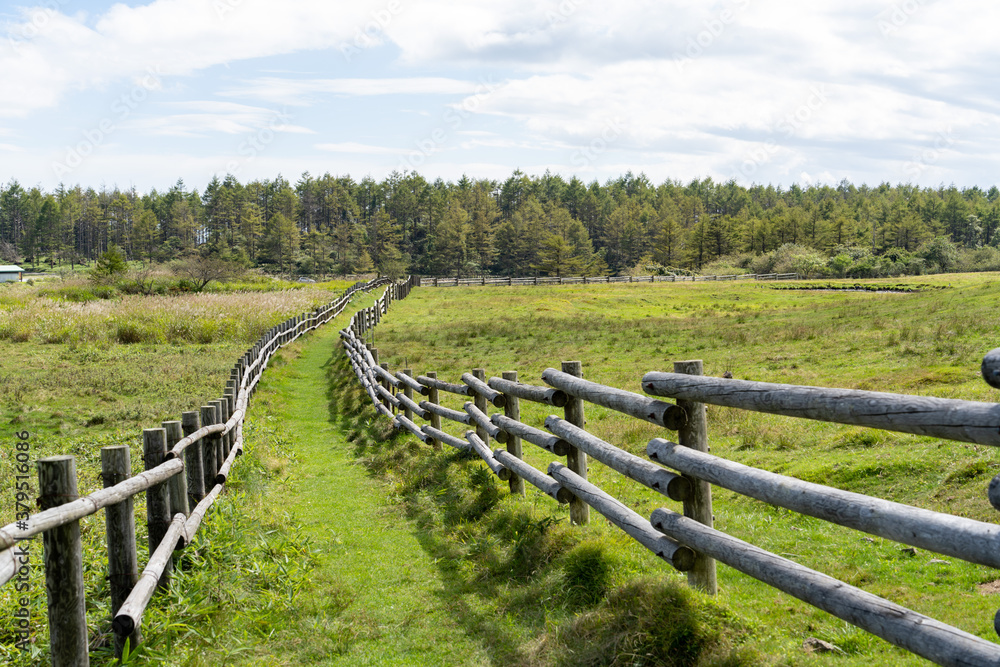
<point>929,341</point>
<point>523,585</point>
<point>82,372</point>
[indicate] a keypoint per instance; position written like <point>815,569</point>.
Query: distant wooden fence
<point>187,463</point>
<point>592,280</point>
<point>687,540</point>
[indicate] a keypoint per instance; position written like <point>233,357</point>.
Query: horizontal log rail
<point>685,474</point>
<point>952,419</point>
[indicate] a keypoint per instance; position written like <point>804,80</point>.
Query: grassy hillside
<point>926,342</point>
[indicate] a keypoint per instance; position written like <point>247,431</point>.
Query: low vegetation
<point>523,584</point>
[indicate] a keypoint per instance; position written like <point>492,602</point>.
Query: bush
<point>109,266</point>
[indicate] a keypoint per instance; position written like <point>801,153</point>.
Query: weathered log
<point>480,402</point>
<point>990,368</point>
<point>447,413</point>
<point>220,447</point>
<point>409,405</point>
<point>973,541</point>
<point>408,380</point>
<point>482,421</point>
<point>446,438</point>
<point>529,392</point>
<point>194,436</point>
<point>119,522</point>
<point>194,463</point>
<point>479,387</point>
<point>129,617</point>
<point>546,441</point>
<point>694,434</point>
<point>636,405</point>
<point>434,398</point>
<point>8,566</point>
<point>223,474</point>
<point>634,524</point>
<point>898,625</point>
<point>411,427</point>
<point>177,483</point>
<point>952,419</point>
<point>659,479</point>
<point>535,477</point>
<point>77,509</point>
<point>512,410</point>
<point>387,396</point>
<point>406,397</point>
<point>154,442</point>
<point>576,460</point>
<point>210,461</point>
<point>486,455</point>
<point>198,514</point>
<point>440,385</point>
<point>386,376</point>
<point>63,565</point>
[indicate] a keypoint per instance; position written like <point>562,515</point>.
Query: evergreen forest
<point>524,225</point>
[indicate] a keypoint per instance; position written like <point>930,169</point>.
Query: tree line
<point>519,226</point>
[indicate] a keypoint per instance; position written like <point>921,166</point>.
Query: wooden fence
<point>591,280</point>
<point>186,465</point>
<point>683,470</point>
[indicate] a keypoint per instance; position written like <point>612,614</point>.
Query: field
<point>525,585</point>
<point>80,375</point>
<point>927,342</point>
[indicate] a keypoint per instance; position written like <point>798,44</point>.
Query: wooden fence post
<point>480,402</point>
<point>119,524</point>
<point>226,408</point>
<point>209,449</point>
<point>388,387</point>
<point>699,507</point>
<point>194,462</point>
<point>433,396</point>
<point>579,511</point>
<point>177,483</point>
<point>512,409</point>
<point>154,447</point>
<point>63,566</point>
<point>408,392</point>
<point>220,440</point>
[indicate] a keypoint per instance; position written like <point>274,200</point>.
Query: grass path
<point>397,614</point>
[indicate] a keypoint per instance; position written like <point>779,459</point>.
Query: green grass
<point>930,342</point>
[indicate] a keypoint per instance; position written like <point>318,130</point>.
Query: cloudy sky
<point>768,91</point>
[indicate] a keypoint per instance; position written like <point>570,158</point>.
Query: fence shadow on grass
<point>498,559</point>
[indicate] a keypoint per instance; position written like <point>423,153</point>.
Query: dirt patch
<point>989,588</point>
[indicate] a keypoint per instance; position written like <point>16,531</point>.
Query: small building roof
<point>9,268</point>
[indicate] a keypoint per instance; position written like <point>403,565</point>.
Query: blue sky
<point>768,91</point>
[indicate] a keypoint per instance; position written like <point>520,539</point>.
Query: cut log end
<point>993,493</point>
<point>675,418</point>
<point>123,625</point>
<point>991,368</point>
<point>683,559</point>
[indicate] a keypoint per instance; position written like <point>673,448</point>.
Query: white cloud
<point>210,117</point>
<point>301,91</point>
<point>359,149</point>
